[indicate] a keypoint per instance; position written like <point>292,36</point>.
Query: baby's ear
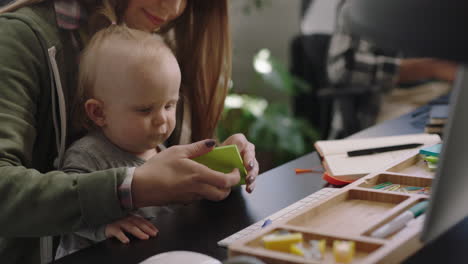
<point>95,111</point>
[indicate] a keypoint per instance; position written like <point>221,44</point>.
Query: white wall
<point>272,27</point>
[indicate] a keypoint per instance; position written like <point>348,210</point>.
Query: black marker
<point>369,151</point>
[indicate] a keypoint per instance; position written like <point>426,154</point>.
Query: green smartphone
<point>224,159</point>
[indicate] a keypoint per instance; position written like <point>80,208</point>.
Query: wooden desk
<point>197,227</point>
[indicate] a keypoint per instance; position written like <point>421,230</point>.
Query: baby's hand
<point>133,224</point>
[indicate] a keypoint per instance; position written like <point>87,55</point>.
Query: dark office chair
<point>308,61</point>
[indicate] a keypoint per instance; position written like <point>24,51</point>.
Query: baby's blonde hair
<point>138,49</point>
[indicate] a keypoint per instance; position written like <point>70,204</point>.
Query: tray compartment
<point>415,165</point>
<point>350,213</point>
<point>255,247</point>
<point>402,180</point>
<point>396,214</point>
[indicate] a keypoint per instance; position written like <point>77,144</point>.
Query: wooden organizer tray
<point>351,214</point>
<point>413,166</point>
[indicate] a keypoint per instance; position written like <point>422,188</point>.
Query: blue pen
<point>266,223</point>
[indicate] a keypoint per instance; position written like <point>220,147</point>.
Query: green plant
<point>254,5</point>
<point>278,135</point>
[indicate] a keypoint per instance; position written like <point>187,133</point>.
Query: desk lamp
<point>437,29</point>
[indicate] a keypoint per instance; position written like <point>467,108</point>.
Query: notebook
<point>434,128</point>
<point>433,150</point>
<point>438,114</point>
<point>340,166</point>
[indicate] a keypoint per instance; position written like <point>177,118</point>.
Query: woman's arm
<point>35,203</point>
<point>417,69</point>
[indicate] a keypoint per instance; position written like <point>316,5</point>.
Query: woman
<point>39,46</point>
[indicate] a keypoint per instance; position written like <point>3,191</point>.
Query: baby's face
<point>141,112</point>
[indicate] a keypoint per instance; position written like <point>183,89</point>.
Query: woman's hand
<point>247,151</point>
<point>172,177</point>
<point>133,224</point>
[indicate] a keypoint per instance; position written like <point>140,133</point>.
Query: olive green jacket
<point>37,74</point>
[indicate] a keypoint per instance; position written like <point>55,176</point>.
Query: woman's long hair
<point>203,49</point>
<point>202,44</point>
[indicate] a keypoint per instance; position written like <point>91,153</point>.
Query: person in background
<point>40,41</point>
<point>356,63</point>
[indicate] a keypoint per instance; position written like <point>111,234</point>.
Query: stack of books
<point>438,116</point>
<point>431,155</point>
